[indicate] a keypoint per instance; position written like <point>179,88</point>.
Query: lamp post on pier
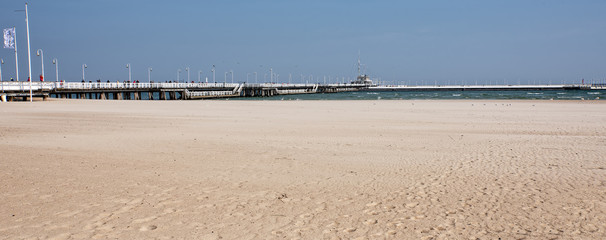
<point>56,69</point>
<point>213,70</point>
<point>41,54</point>
<point>199,75</point>
<point>232,75</point>
<point>255,76</point>
<point>149,70</point>
<point>187,70</point>
<point>178,72</point>
<point>225,79</point>
<point>83,67</point>
<point>129,73</point>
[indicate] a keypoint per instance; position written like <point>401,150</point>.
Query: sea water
<point>414,95</point>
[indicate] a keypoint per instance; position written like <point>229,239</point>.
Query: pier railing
<point>281,87</point>
<point>117,85</point>
<point>209,93</point>
<point>37,86</point>
<point>24,86</point>
<point>294,91</point>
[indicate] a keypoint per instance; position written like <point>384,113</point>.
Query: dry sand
<point>303,169</point>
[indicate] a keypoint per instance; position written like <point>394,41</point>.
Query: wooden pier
<point>163,91</point>
<point>187,91</point>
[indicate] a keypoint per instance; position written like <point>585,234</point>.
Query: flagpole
<point>1,63</point>
<point>16,56</point>
<point>29,58</point>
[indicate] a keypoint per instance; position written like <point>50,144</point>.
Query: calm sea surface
<point>541,95</point>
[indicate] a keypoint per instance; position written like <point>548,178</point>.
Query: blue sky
<point>406,42</point>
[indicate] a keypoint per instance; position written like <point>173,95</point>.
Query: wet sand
<point>303,169</point>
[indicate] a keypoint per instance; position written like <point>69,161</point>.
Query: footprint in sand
<point>371,221</point>
<point>169,210</point>
<point>412,205</point>
<point>142,220</point>
<point>67,214</point>
<point>148,228</point>
<point>371,212</point>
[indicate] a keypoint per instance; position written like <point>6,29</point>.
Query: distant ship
<point>362,78</point>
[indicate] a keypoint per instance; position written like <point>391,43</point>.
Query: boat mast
<point>358,63</point>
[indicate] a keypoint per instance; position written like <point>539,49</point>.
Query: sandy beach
<point>87,169</point>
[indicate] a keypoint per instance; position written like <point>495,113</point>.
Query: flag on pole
<point>9,38</point>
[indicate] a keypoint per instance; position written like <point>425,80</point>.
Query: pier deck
<point>187,91</point>
<point>164,91</point>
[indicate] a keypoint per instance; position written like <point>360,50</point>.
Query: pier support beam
<point>150,95</point>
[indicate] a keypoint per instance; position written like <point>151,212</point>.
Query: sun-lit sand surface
<point>303,169</point>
